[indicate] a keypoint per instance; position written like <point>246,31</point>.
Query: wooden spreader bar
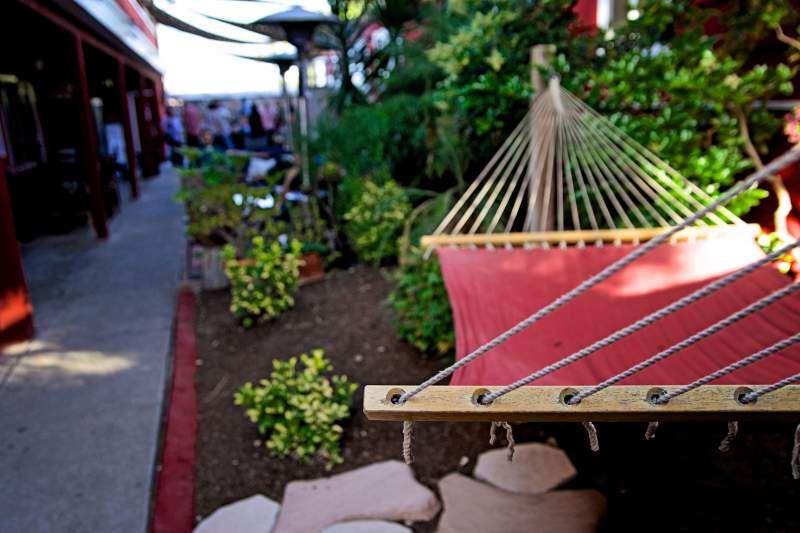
<point>588,237</point>
<point>545,404</point>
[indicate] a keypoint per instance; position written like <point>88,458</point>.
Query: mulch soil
<point>676,482</point>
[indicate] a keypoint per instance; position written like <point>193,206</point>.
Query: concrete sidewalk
<point>81,404</point>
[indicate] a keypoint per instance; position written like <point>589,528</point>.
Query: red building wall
<point>16,311</point>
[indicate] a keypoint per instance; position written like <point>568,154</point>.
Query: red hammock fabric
<point>491,290</point>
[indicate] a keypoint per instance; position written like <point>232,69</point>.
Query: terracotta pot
<point>312,269</point>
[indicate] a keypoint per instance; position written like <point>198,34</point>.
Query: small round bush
<point>375,221</point>
<point>264,281</point>
<point>298,408</point>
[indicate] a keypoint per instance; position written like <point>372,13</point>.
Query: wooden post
<point>16,311</point>
<point>130,150</point>
<point>91,158</point>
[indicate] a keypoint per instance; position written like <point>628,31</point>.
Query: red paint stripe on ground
<point>173,511</point>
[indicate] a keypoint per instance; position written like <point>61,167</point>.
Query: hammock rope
<point>620,334</point>
<point>577,171</point>
<point>754,395</point>
<point>796,454</point>
<point>408,429</point>
<point>591,432</point>
<point>756,177</point>
<point>766,352</point>
<point>697,337</point>
<point>509,437</point>
<point>733,430</point>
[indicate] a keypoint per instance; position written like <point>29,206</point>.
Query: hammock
<point>643,290</point>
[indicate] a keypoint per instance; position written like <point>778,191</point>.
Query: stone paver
<point>84,398</point>
<point>536,468</point>
<point>367,526</point>
<point>471,505</point>
<point>255,514</point>
<point>386,491</point>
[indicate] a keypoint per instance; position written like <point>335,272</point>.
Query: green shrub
<point>197,158</point>
<point>387,138</point>
<point>298,408</point>
<point>375,221</point>
<point>264,280</point>
<point>232,214</point>
<point>192,155</point>
<point>423,315</point>
<point>682,94</point>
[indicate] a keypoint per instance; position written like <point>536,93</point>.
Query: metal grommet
<point>740,393</point>
<point>393,396</point>
<point>566,395</point>
<point>654,394</point>
<point>478,396</point>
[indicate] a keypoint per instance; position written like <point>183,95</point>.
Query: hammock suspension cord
<point>575,170</point>
<point>697,337</point>
<point>785,159</point>
<point>644,322</point>
<point>762,354</point>
<point>754,395</point>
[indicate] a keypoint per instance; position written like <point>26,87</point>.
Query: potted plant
<point>308,227</point>
<point>313,267</point>
<point>228,214</point>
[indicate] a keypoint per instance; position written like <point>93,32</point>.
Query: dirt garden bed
<point>678,481</point>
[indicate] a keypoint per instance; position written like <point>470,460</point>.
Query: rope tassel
<point>509,437</point>
<point>594,443</point>
<point>408,427</point>
<point>650,433</point>
<point>733,430</point>
<point>796,454</point>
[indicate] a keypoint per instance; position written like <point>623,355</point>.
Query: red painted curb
<point>173,510</point>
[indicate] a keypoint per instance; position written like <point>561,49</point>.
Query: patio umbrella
<point>181,19</point>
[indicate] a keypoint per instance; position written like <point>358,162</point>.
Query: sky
<point>196,66</point>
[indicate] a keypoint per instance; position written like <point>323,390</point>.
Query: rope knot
<point>408,428</point>
<point>591,431</point>
<point>796,454</point>
<point>509,437</point>
<point>650,433</point>
<point>733,430</point>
